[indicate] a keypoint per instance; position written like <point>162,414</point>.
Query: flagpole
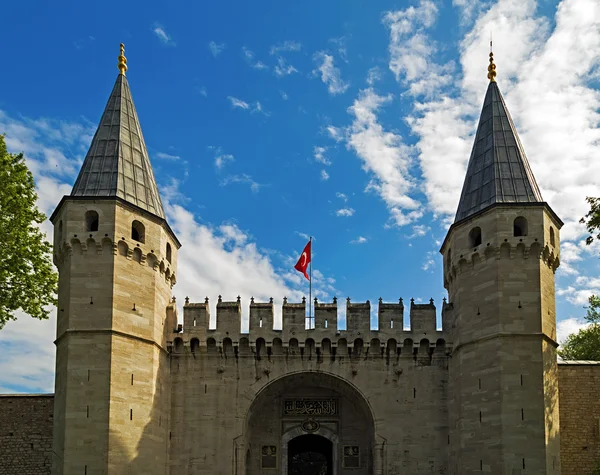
<point>310,288</point>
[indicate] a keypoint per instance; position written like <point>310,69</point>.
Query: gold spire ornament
<point>492,67</point>
<point>122,61</point>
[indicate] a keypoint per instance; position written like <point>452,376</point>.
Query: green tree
<point>28,280</point>
<point>585,344</point>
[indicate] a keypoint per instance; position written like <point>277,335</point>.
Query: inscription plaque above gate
<point>310,407</point>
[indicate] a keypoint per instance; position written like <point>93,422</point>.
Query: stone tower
<point>500,256</point>
<point>117,260</point>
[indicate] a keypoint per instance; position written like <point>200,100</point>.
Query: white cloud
<point>345,212</point>
<point>566,327</point>
<point>419,230</point>
<point>162,35</point>
<point>324,175</point>
<point>255,107</point>
<point>556,114</point>
<point>384,156</point>
<point>319,154</point>
<point>216,48</point>
<point>411,49</point>
<point>250,59</point>
<point>283,95</point>
<point>330,75</point>
<point>359,240</point>
<point>202,91</point>
<point>282,68</point>
<point>166,156</point>
<point>245,179</point>
<point>340,44</point>
<point>341,196</point>
<point>221,160</point>
<point>335,133</point>
<point>429,263</point>
<point>374,75</point>
<point>286,46</point>
<point>235,102</point>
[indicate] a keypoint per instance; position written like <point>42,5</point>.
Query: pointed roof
<point>117,163</point>
<point>498,170</point>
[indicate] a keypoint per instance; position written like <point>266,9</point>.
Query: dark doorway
<point>310,455</point>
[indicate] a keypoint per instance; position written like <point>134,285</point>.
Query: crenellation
<point>261,317</point>
<point>326,315</point>
<point>422,317</point>
<point>358,319</point>
<point>390,316</point>
<point>229,317</point>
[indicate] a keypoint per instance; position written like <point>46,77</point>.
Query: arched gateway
<point>309,423</point>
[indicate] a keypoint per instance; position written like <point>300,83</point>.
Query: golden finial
<point>492,67</point>
<point>122,61</point>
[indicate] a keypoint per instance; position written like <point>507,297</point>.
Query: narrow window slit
<point>130,414</point>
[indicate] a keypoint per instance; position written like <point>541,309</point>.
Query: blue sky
<point>267,122</point>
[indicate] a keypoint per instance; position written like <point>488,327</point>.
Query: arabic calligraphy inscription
<point>310,407</point>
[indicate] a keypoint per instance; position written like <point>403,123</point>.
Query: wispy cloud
<point>243,179</point>
<point>319,154</point>
<point>359,240</point>
<point>429,263</point>
<point>254,107</point>
<point>166,156</point>
<point>235,102</point>
<point>341,46</point>
<point>202,91</point>
<point>335,133</point>
<point>216,48</point>
<point>283,95</point>
<point>162,35</point>
<point>251,60</point>
<point>285,46</point>
<point>374,75</point>
<point>221,158</point>
<point>345,212</point>
<point>341,196</point>
<point>330,75</point>
<point>324,175</point>
<point>411,48</point>
<point>419,230</point>
<point>384,156</point>
<point>282,68</point>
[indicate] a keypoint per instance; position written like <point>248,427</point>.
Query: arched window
<point>138,232</point>
<point>552,241</point>
<point>91,221</point>
<point>520,227</point>
<point>449,259</point>
<point>475,237</point>
<point>168,252</point>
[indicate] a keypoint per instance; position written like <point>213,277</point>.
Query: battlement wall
<point>324,333</point>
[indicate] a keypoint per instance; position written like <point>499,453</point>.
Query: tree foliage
<point>28,280</point>
<point>592,220</point>
<point>585,344</point>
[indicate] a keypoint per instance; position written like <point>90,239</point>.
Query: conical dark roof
<point>498,170</point>
<point>117,163</point>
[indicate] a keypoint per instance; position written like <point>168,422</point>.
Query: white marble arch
<point>298,431</point>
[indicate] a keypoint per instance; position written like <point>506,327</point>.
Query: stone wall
<point>579,390</point>
<point>26,434</point>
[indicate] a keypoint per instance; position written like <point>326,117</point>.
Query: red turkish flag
<point>304,260</point>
